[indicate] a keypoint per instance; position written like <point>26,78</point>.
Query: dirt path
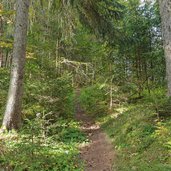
<point>99,154</point>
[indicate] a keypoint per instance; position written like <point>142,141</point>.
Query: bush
<point>94,100</point>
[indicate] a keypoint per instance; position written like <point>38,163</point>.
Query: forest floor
<point>99,154</point>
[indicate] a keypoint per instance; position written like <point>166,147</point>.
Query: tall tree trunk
<point>1,34</point>
<point>165,11</point>
<point>12,117</point>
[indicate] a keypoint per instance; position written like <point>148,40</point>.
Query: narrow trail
<point>99,154</point>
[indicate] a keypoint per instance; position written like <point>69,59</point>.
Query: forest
<point>85,85</point>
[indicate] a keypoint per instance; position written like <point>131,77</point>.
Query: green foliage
<point>99,16</point>
<point>45,92</point>
<point>93,99</point>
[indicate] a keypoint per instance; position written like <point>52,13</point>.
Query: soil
<point>99,154</point>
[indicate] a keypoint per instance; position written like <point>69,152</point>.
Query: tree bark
<point>1,34</point>
<point>12,117</point>
<point>165,12</point>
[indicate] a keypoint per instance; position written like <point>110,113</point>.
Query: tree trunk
<point>12,117</point>
<point>165,12</point>
<point>1,34</point>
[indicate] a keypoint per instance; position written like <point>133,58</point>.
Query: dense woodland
<point>112,58</point>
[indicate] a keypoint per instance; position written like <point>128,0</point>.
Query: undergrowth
<point>50,137</point>
<point>94,100</point>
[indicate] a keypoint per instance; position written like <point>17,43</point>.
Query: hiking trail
<point>99,154</point>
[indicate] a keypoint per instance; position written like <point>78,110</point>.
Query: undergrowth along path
<point>99,154</point>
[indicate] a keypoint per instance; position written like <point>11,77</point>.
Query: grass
<point>140,139</point>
